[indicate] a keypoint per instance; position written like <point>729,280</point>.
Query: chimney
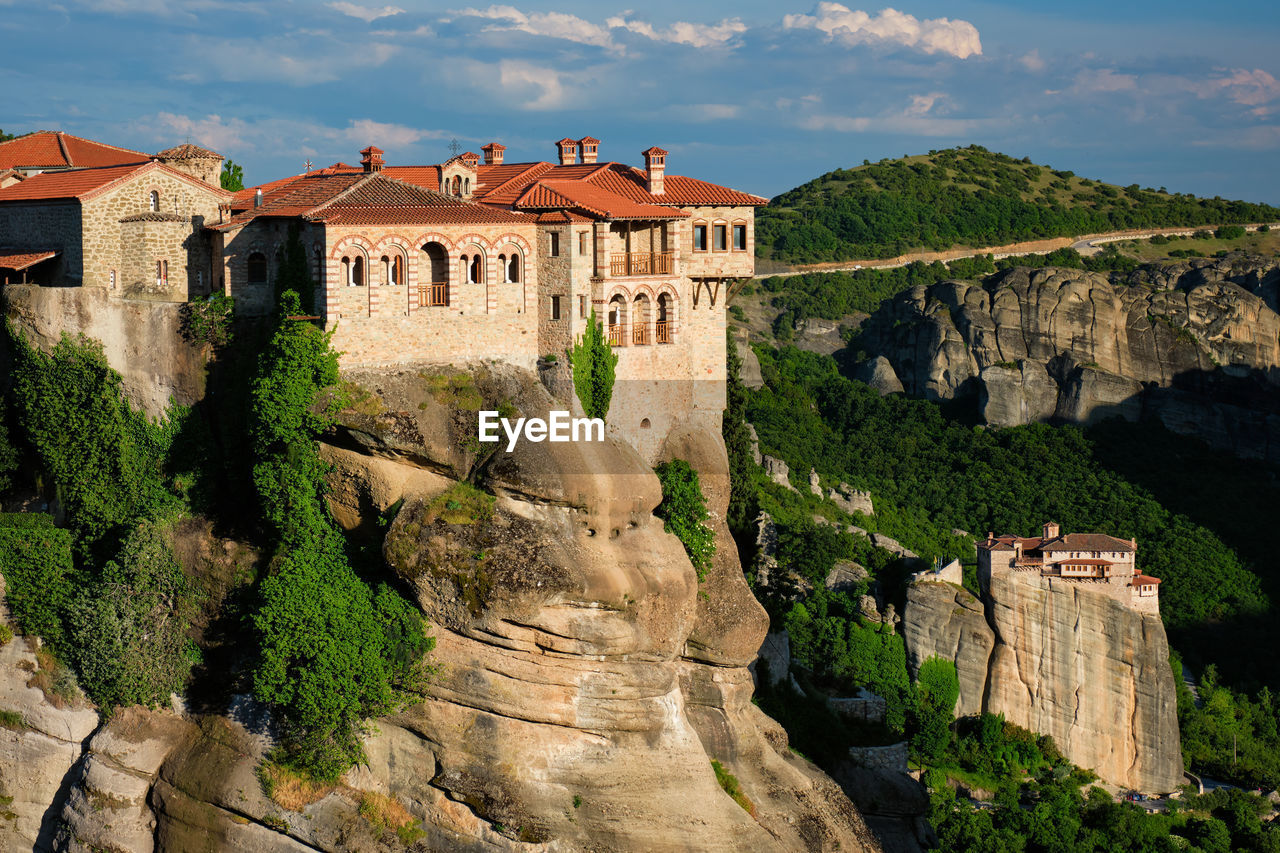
<point>257,198</point>
<point>371,159</point>
<point>568,149</point>
<point>590,148</point>
<point>493,153</point>
<point>655,164</point>
<point>471,159</point>
<point>1050,530</point>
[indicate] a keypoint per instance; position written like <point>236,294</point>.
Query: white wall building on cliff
<point>1104,563</point>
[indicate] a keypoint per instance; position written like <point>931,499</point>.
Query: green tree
<point>737,443</point>
<point>295,271</point>
<point>5,137</point>
<point>593,362</point>
<point>232,177</point>
<point>684,513</point>
<point>937,690</point>
<point>40,579</point>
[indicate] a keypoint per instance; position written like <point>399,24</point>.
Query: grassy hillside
<point>966,197</point>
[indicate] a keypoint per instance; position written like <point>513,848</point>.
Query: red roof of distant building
<point>1146,580</point>
<point>22,260</point>
<point>51,149</point>
<point>187,151</point>
<point>84,183</point>
<point>1085,542</point>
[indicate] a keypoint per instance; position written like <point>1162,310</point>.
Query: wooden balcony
<point>639,335</point>
<point>616,331</point>
<point>663,328</point>
<point>640,263</point>
<point>433,295</point>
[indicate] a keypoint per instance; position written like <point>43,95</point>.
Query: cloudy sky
<point>758,95</point>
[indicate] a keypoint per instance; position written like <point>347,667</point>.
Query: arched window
<point>664,324</point>
<point>346,271</point>
<point>502,267</point>
<point>433,275</point>
<point>153,200</point>
<point>386,270</point>
<point>513,267</point>
<point>257,268</point>
<point>640,321</point>
<point>617,320</point>
<point>467,187</point>
<point>357,271</point>
<point>457,185</point>
<point>476,270</point>
<point>397,269</point>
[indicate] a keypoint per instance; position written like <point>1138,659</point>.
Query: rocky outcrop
<point>1062,660</point>
<point>945,620</point>
<point>1195,344</point>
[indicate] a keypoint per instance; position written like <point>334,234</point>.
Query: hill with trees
<point>966,197</point>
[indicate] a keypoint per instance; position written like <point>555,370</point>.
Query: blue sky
<point>761,96</point>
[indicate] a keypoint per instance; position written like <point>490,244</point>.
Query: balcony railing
<point>640,335</point>
<point>433,295</point>
<point>615,334</point>
<point>640,263</point>
<point>664,331</point>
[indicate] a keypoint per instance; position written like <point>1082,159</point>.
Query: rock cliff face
<point>1062,660</point>
<point>586,678</point>
<point>1196,344</point>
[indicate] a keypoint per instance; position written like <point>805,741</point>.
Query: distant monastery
<point>460,262</point>
<point>1103,563</point>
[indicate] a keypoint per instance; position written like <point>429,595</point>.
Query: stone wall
<point>891,757</point>
<point>45,225</point>
<point>104,240</point>
<point>729,263</point>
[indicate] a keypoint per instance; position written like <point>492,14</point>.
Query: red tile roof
<point>85,183</point>
<point>427,177</point>
<point>10,260</point>
<point>585,197</point>
<point>55,149</point>
<point>360,198</point>
<point>1086,542</point>
<point>1145,580</point>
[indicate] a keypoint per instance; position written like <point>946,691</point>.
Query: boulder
<point>777,471</point>
<point>944,620</point>
<point>878,373</point>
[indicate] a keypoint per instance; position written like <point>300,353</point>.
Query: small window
<point>582,306</point>
<point>644,424</point>
<point>739,237</point>
<point>513,268</point>
<point>153,200</point>
<point>113,279</point>
<point>555,308</point>
<point>700,237</point>
<point>582,242</point>
<point>555,244</point>
<point>720,237</point>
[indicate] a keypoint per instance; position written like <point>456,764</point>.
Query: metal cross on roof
<point>307,164</point>
<point>454,147</point>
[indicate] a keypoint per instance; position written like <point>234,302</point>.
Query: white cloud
<point>551,24</point>
<point>1255,88</point>
<point>920,116</point>
<point>234,137</point>
<point>683,32</point>
<point>854,27</point>
<point>278,61</point>
<point>1032,61</point>
<point>923,104</point>
<point>704,112</point>
<point>368,14</point>
<point>533,87</point>
<point>1092,81</point>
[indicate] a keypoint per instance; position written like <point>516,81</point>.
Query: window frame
<point>720,236</point>
<point>553,249</point>
<point>701,225</point>
<point>733,242</point>
<point>555,307</point>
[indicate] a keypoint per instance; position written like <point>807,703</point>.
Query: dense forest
<point>966,197</point>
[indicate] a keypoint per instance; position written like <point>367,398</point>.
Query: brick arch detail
<point>434,237</point>
<point>516,240</point>
<point>646,291</point>
<point>468,239</point>
<point>394,241</point>
<point>354,241</point>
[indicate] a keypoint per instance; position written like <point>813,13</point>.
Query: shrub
<point>40,579</point>
<point>593,362</point>
<point>129,629</point>
<point>208,320</point>
<point>290,789</point>
<point>386,813</point>
<point>684,511</point>
<point>6,634</point>
<point>13,721</point>
<point>461,503</point>
<point>1229,232</point>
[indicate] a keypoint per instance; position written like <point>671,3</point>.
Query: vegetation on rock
<point>684,513</point>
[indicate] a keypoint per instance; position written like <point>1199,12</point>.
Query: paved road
<point>1087,245</point>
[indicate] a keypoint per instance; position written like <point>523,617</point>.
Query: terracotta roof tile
<point>427,177</point>
<point>1086,542</point>
<point>74,183</point>
<point>55,149</point>
<point>584,196</point>
<point>1143,580</point>
<point>156,216</point>
<point>12,260</point>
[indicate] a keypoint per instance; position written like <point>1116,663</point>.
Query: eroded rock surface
<point>947,621</point>
<point>1196,344</point>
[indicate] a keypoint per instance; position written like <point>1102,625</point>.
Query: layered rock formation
<point>1196,344</point>
<point>1062,660</point>
<point>586,676</point>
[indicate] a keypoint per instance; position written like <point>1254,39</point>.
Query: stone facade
<point>46,225</point>
<point>891,757</point>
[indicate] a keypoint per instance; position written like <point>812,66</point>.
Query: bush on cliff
<point>684,513</point>
<point>332,651</point>
<point>40,579</point>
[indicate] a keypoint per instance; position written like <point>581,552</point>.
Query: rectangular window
<point>582,243</point>
<point>582,306</point>
<point>720,237</point>
<point>555,308</point>
<point>699,237</point>
<point>555,244</point>
<point>739,237</point>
